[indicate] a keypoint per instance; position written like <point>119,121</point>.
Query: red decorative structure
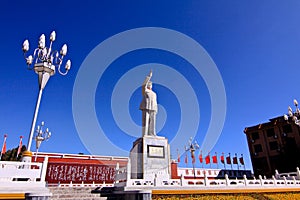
<point>66,168</point>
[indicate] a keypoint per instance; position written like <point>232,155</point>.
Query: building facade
<point>274,145</point>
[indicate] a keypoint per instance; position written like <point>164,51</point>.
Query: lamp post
<point>41,135</point>
<point>192,147</point>
<point>44,62</point>
<point>294,115</point>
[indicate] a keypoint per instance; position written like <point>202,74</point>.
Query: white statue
<point>148,107</point>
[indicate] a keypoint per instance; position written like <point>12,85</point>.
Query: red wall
<point>174,170</point>
<point>88,170</point>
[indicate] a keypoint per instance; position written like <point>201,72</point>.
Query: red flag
<point>234,160</point>
<point>193,158</point>
<point>215,160</point>
<point>242,161</point>
<point>186,159</point>
<point>4,148</point>
<point>201,158</point>
<point>222,159</point>
<point>228,160</point>
<point>20,146</point>
<point>3,151</point>
<point>207,159</point>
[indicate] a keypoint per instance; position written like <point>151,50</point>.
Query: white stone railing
<point>11,171</point>
<point>276,181</point>
<point>121,175</point>
<point>212,183</point>
<point>82,184</point>
<point>26,178</point>
<point>289,176</point>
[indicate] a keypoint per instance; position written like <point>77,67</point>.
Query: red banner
<point>228,160</point>
<point>186,159</point>
<point>234,160</point>
<point>201,158</point>
<point>222,159</point>
<point>242,161</point>
<point>67,172</point>
<point>178,157</point>
<point>207,159</point>
<point>20,146</point>
<point>215,160</point>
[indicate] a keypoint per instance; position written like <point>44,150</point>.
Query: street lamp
<point>41,135</point>
<point>192,147</point>
<point>44,62</point>
<point>294,115</point>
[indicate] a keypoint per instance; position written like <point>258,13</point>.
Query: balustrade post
<point>260,179</point>
<point>274,180</point>
<point>245,179</point>
<point>284,178</point>
<point>128,171</point>
<point>44,169</point>
<point>155,180</point>
<point>205,180</point>
<point>181,179</point>
<point>226,179</point>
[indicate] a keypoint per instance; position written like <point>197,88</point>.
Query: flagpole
<point>209,160</point>
<point>230,161</point>
<point>20,146</point>
<point>178,157</point>
<point>217,160</point>
<point>237,162</point>
<point>224,160</point>
<point>186,158</point>
<point>3,146</point>
<point>243,162</point>
<point>201,158</point>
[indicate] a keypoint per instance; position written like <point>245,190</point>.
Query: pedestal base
<point>150,158</point>
<point>27,156</point>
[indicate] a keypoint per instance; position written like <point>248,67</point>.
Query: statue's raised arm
<point>147,82</point>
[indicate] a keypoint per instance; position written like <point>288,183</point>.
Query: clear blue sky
<point>255,46</point>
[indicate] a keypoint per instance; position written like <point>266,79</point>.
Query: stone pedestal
<point>150,158</point>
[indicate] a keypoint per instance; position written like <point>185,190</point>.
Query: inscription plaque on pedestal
<point>150,158</point>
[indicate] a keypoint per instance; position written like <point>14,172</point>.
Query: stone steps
<point>74,193</point>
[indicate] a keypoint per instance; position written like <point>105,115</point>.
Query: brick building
<point>274,145</point>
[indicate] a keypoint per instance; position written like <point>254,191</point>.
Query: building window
<point>273,145</point>
<point>270,132</point>
<point>255,136</point>
<point>257,148</point>
<point>287,128</point>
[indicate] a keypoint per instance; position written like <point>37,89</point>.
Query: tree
<point>11,155</point>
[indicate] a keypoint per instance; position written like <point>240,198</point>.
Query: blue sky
<point>255,46</point>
